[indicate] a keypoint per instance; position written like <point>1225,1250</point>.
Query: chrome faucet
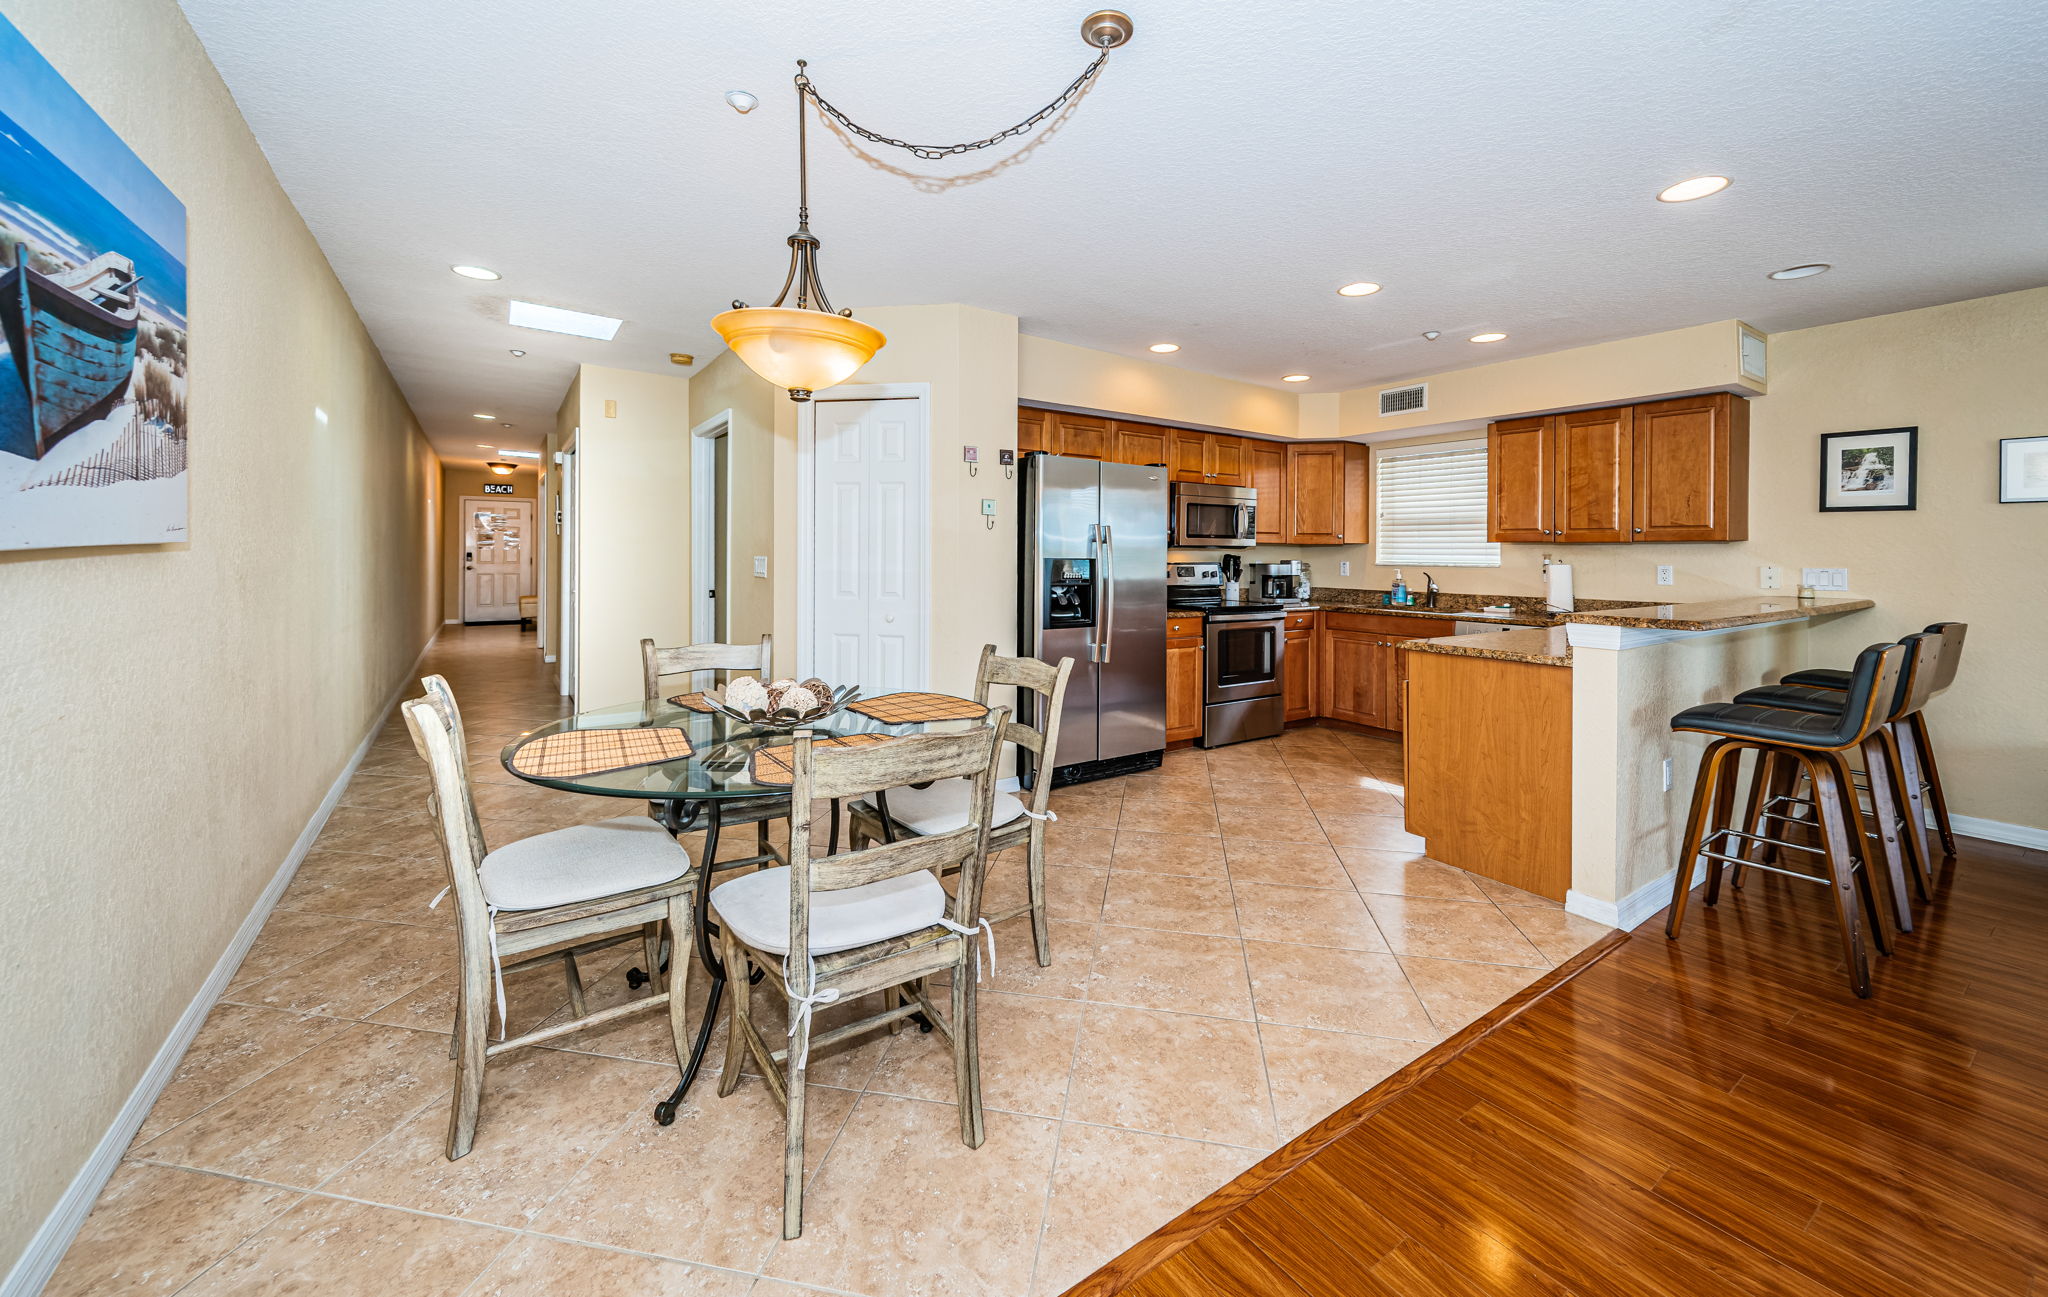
<point>1429,594</point>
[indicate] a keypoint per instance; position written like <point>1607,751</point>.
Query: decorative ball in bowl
<point>780,704</point>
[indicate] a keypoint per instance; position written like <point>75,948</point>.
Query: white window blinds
<point>1432,507</point>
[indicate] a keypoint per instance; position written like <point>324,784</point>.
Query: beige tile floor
<point>1243,941</point>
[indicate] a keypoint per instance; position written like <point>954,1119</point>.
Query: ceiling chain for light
<point>932,152</point>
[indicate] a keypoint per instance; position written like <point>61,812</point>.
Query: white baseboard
<point>1628,913</point>
<point>2018,835</point>
<point>47,1247</point>
<point>452,621</point>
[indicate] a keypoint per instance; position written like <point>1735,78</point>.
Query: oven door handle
<point>1109,588</point>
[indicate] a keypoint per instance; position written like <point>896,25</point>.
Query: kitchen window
<point>1431,505</point>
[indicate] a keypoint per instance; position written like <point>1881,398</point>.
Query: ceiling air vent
<point>1404,400</point>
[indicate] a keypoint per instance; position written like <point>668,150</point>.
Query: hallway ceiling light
<point>581,324</point>
<point>1487,337</point>
<point>1164,347</point>
<point>1360,289</point>
<point>501,468</point>
<point>1802,272</point>
<point>517,352</point>
<point>475,272</point>
<point>741,100</point>
<point>1294,378</point>
<point>1697,187</point>
<point>809,345</point>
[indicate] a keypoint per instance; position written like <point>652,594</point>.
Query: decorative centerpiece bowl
<point>779,704</point>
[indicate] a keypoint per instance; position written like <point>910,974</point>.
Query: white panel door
<point>867,540</point>
<point>497,558</point>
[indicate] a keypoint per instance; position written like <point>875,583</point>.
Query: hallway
<point>1179,1036</point>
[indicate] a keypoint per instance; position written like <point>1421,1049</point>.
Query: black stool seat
<point>1799,698</point>
<point>1818,677</point>
<point>1801,728</point>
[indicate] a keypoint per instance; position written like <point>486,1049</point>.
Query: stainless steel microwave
<point>1206,516</point>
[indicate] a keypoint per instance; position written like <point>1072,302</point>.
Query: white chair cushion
<point>582,864</point>
<point>942,807</point>
<point>756,906</point>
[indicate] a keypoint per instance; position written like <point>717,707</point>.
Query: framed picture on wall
<point>2023,470</point>
<point>1866,472</point>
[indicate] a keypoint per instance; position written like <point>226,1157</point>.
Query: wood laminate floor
<point>1716,1115</point>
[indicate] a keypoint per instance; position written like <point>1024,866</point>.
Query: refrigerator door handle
<point>1095,566</point>
<point>1109,585</point>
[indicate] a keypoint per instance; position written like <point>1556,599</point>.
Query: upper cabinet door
<point>1266,461</point>
<point>1227,464</point>
<point>1190,462</point>
<point>1033,431</point>
<point>1137,443</point>
<point>1593,497</point>
<point>1080,436</point>
<point>1521,467</point>
<point>1326,493</point>
<point>1692,469</point>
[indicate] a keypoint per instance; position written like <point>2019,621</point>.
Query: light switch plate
<point>1824,578</point>
<point>760,565</point>
<point>1665,576</point>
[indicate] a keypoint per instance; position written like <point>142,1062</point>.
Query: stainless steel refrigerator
<point>1094,589</point>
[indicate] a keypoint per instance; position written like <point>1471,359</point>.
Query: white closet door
<point>868,560</point>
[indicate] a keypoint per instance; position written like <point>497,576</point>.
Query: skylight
<point>528,315</point>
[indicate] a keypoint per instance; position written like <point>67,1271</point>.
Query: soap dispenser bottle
<point>1399,596</point>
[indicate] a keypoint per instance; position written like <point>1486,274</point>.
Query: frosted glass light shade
<point>799,351</point>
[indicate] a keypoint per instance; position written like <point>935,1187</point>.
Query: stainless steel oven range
<point>1244,645</point>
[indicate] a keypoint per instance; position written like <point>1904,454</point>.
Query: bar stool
<point>1891,777</point>
<point>1814,743</point>
<point>1914,736</point>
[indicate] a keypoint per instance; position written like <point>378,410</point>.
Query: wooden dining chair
<point>702,663</point>
<point>1014,821</point>
<point>580,888</point>
<point>864,921</point>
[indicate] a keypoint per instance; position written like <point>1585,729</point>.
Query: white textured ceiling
<point>1493,165</point>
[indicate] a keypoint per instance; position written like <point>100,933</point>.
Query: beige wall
<point>180,711</point>
<point>751,498</point>
<point>1060,373</point>
<point>633,530</point>
<point>457,481</point>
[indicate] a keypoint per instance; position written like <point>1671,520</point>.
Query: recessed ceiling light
<point>1163,347</point>
<point>1360,289</point>
<point>504,425</point>
<point>1294,378</point>
<point>1432,335</point>
<point>475,272</point>
<point>530,315</point>
<point>483,416</point>
<point>1801,272</point>
<point>1487,337</point>
<point>1697,187</point>
<point>741,100</point>
<point>517,352</point>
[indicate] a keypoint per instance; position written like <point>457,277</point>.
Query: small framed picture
<point>1869,471</point>
<point>2023,470</point>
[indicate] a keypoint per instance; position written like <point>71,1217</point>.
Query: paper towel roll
<point>1557,583</point>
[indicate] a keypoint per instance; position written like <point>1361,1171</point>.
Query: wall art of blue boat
<point>70,348</point>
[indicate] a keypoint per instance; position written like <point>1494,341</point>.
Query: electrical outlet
<point>1664,575</point>
<point>1667,774</point>
<point>760,565</point>
<point>1770,577</point>
<point>1344,568</point>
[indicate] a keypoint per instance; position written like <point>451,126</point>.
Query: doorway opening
<point>711,529</point>
<point>497,558</point>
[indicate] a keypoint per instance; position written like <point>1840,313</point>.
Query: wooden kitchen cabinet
<point>1326,493</point>
<point>1080,436</point>
<point>1363,672</point>
<point>1034,431</point>
<point>1298,666</point>
<point>1266,462</point>
<point>1659,471</point>
<point>1213,457</point>
<point>1184,661</point>
<point>1691,477</point>
<point>1228,465</point>
<point>1138,443</point>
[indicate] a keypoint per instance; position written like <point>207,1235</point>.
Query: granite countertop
<point>1541,645</point>
<point>1719,614</point>
<point>1516,618</point>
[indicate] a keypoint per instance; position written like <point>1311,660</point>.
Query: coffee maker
<point>1280,582</point>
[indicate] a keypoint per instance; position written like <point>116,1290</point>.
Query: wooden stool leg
<point>1828,796</point>
<point>1695,827</point>
<point>1854,824</point>
<point>1753,813</point>
<point>1884,811</point>
<point>1932,771</point>
<point>1905,749</point>
<point>1724,807</point>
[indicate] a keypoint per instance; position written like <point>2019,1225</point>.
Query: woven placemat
<point>573,753</point>
<point>908,708</point>
<point>693,702</point>
<point>775,766</point>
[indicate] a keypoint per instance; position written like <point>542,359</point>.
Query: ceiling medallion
<point>808,345</point>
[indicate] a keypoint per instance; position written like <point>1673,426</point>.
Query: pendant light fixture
<point>807,346</point>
